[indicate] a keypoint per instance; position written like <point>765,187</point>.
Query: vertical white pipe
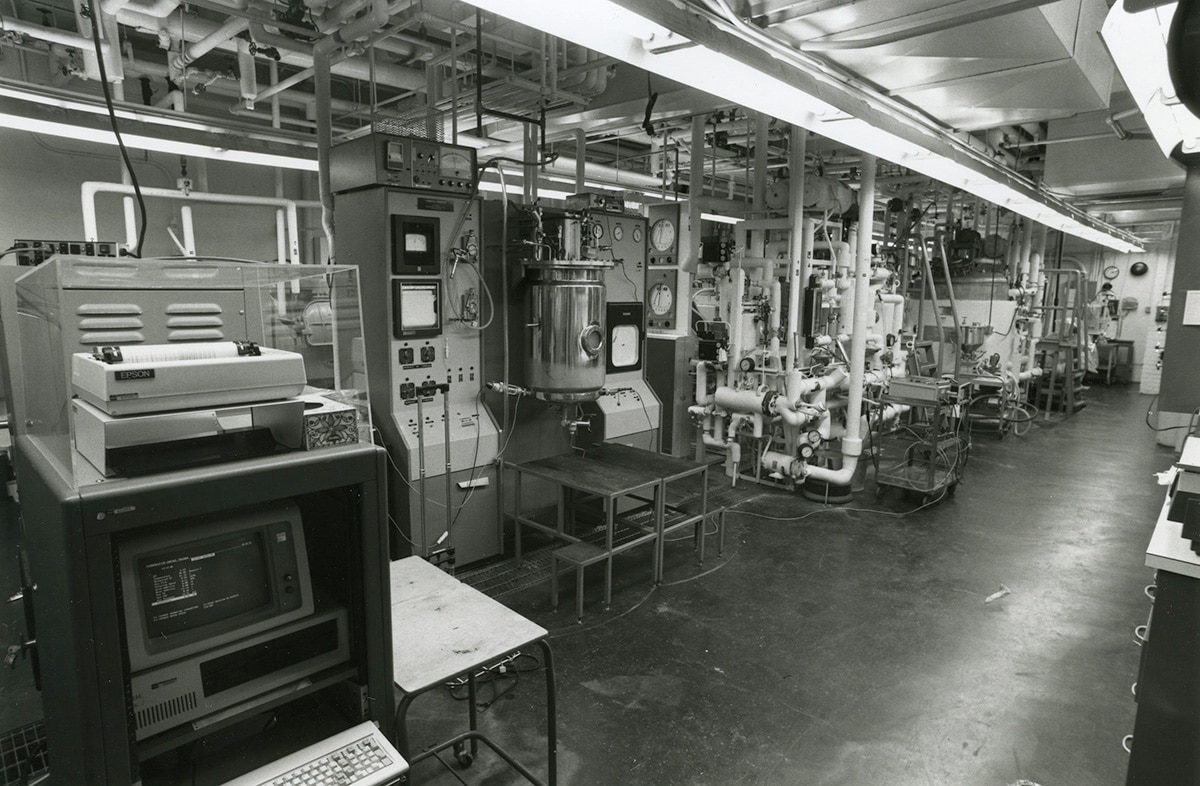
<point>580,160</point>
<point>689,258</point>
<point>735,319</point>
<point>189,230</point>
<point>852,443</point>
<point>131,233</point>
<point>1026,248</point>
<point>796,274</point>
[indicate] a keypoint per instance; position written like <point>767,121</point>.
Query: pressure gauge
<point>661,299</point>
<point>814,438</point>
<point>637,234</point>
<point>597,231</point>
<point>1111,272</point>
<point>662,235</point>
<point>619,233</point>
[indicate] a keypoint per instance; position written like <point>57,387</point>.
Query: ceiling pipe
<point>223,34</point>
<point>51,35</point>
<point>294,53</point>
<point>939,26</point>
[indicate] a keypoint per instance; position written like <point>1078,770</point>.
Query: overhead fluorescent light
<point>138,142</point>
<point>720,219</point>
<point>617,31</point>
<point>1138,45</point>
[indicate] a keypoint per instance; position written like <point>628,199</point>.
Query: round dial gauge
<point>661,299</point>
<point>618,233</point>
<point>1111,272</point>
<point>662,235</point>
<point>814,438</point>
<point>637,234</point>
<point>597,231</point>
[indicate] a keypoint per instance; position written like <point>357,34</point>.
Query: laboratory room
<point>603,392</point>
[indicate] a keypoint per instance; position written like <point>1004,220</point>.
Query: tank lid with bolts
<point>570,264</point>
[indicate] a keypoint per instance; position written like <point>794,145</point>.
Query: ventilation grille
<point>419,123</point>
<point>165,710</point>
<point>115,324</point>
<point>110,323</point>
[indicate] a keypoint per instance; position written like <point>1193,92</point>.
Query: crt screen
<point>191,587</point>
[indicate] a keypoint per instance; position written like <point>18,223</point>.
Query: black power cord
<point>112,119</point>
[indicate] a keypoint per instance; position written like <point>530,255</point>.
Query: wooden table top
<point>442,628</point>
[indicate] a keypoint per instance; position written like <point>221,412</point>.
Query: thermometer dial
<point>661,299</point>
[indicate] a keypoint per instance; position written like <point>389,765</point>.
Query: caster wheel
<point>463,756</point>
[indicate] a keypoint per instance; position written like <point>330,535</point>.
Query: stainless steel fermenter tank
<point>564,345</point>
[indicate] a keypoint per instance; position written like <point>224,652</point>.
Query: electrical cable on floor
<point>1150,411</point>
<point>106,89</point>
<point>577,628</point>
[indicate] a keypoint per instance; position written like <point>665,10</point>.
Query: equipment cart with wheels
<point>926,449</point>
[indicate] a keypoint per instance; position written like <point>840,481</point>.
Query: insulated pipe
<point>226,32</point>
<point>1026,248</point>
<point>173,99</point>
<point>247,78</point>
<point>11,24</point>
<point>735,317</point>
<point>773,325</point>
<point>189,230</point>
<point>703,397</point>
<point>797,150</point>
<point>852,442</point>
<point>893,310</point>
<point>799,387</point>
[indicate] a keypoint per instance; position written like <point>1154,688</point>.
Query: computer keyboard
<point>360,756</point>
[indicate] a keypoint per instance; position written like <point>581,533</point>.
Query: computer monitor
<point>191,586</point>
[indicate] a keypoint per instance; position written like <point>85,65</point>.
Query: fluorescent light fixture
<point>1138,44</point>
<point>138,142</point>
<point>617,31</point>
<point>720,219</point>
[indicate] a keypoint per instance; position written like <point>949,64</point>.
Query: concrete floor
<point>856,647</point>
<point>853,646</point>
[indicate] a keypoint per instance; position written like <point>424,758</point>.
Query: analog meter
<point>662,235</point>
<point>662,299</point>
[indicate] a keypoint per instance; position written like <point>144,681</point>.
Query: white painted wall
<point>40,180</point>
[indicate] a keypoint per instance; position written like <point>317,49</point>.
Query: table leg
<point>609,505</point>
<point>400,730</point>
<point>703,509</point>
<point>553,582</point>
<point>579,593</point>
<point>551,715</point>
<point>660,522</point>
<point>472,711</point>
<point>517,519</point>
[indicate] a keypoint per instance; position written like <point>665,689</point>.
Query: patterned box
<point>328,423</point>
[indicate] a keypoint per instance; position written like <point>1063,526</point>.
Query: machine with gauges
<point>670,346</point>
<point>576,326</point>
<point>404,214</point>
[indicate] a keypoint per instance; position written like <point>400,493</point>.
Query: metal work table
<point>443,629</point>
<point>666,469</point>
<point>610,472</point>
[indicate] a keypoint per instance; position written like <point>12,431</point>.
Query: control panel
<point>424,165</point>
<point>662,284</point>
<point>35,252</point>
<point>669,233</point>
